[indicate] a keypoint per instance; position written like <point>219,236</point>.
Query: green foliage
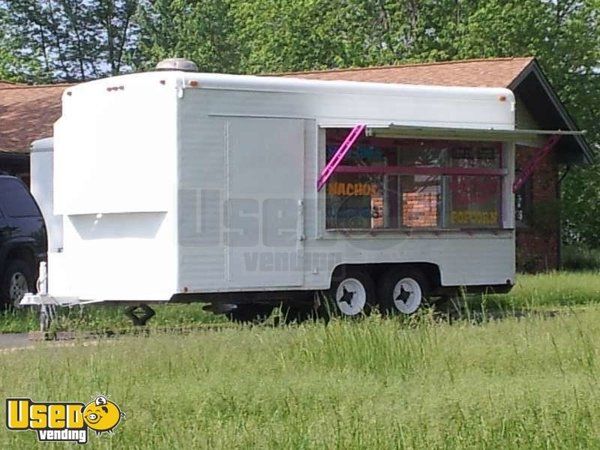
<point>16,62</point>
<point>581,200</point>
<point>578,257</point>
<point>277,36</point>
<point>71,40</point>
<point>202,31</point>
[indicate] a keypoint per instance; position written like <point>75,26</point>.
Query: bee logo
<point>102,415</point>
<point>62,421</point>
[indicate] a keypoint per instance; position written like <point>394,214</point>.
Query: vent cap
<point>182,64</point>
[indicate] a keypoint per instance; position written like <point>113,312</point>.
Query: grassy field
<point>532,293</point>
<point>526,380</point>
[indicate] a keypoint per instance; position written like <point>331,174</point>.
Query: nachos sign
<point>62,421</point>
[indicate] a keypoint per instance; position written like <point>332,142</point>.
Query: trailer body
<point>173,184</point>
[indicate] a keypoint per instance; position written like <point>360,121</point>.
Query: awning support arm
<point>339,155</point>
<point>541,153</point>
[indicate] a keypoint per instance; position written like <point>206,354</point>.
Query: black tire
<point>17,280</point>
<point>402,291</point>
<point>250,313</point>
<point>352,294</point>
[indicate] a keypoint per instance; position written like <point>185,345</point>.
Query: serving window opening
<point>400,183</point>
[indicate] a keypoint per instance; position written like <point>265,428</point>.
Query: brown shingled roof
<point>7,84</point>
<point>27,113</point>
<point>494,72</point>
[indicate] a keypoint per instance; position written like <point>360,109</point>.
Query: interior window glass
<point>420,201</point>
<point>355,200</point>
<point>474,201</point>
<point>474,155</point>
<point>388,183</point>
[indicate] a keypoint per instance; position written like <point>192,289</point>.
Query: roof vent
<point>177,64</point>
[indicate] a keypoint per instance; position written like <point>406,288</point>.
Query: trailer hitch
<point>139,314</point>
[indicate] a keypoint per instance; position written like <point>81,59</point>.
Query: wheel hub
<point>351,297</point>
<point>407,295</point>
<point>347,297</point>
<point>404,295</point>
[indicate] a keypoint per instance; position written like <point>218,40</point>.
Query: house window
<point>388,183</point>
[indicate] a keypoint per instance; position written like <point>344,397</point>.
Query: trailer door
<point>264,219</point>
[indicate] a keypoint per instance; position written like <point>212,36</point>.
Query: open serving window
<point>407,183</point>
<point>404,177</point>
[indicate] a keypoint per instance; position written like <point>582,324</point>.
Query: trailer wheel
<point>402,291</point>
<point>250,313</point>
<point>353,294</point>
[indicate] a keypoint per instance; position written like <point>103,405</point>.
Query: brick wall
<point>538,238</point>
<point>419,209</point>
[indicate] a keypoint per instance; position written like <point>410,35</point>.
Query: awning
<point>479,134</point>
<point>525,137</point>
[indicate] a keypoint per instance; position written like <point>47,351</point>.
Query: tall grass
<point>378,383</point>
<point>531,293</point>
<point>106,318</point>
<point>548,290</point>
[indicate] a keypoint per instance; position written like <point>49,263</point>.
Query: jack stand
<point>139,320</point>
<point>47,312</point>
<point>47,315</point>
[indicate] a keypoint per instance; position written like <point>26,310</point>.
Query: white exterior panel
<point>476,258</point>
<point>148,165</point>
<point>115,186</point>
<point>42,188</point>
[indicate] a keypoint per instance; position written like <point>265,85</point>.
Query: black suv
<point>23,242</point>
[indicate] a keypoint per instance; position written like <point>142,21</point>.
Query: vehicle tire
<point>402,291</point>
<point>352,294</point>
<point>17,280</point>
<point>250,313</point>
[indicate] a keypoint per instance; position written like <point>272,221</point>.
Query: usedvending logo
<point>63,422</point>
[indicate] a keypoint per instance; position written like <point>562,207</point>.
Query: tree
<point>16,64</point>
<point>200,30</point>
<point>72,40</point>
<point>278,36</point>
<point>292,35</point>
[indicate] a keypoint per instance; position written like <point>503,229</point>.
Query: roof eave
<point>534,68</point>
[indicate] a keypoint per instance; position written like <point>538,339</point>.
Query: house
<point>28,112</point>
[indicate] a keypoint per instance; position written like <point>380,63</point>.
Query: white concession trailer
<point>245,192</point>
